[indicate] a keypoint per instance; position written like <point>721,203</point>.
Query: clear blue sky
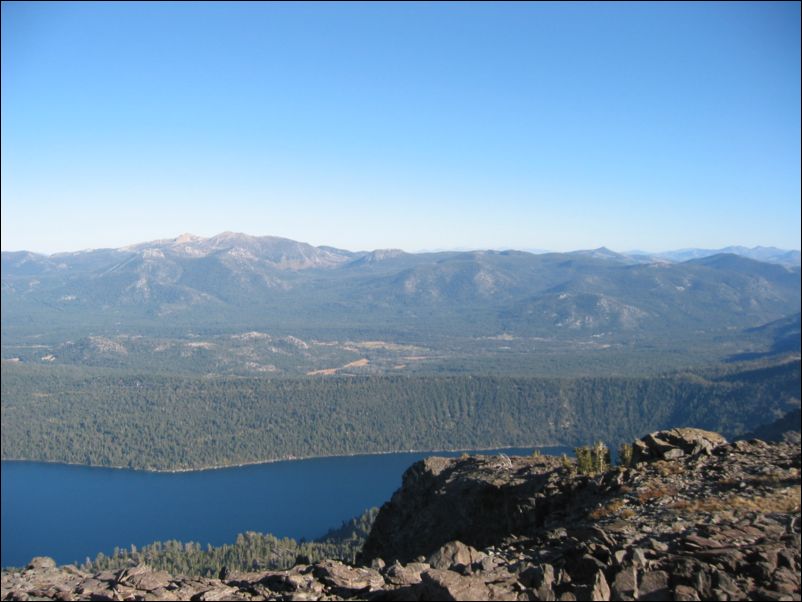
<point>558,126</point>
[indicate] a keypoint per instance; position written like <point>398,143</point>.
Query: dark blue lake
<point>74,512</point>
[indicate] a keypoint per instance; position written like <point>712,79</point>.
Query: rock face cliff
<point>695,518</point>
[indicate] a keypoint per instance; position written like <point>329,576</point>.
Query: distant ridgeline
<point>109,418</point>
<point>245,305</point>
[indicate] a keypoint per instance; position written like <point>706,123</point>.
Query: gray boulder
<point>675,443</point>
<point>39,563</point>
<point>455,555</point>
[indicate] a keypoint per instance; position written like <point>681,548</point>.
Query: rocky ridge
<point>696,518</point>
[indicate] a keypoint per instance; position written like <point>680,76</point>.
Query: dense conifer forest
<point>152,422</point>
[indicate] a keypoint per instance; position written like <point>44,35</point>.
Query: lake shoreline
<point>44,501</point>
<point>284,459</point>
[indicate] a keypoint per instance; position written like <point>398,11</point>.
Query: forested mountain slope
<point>178,422</point>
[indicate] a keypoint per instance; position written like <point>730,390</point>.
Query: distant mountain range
<point>237,283</point>
<point>767,254</point>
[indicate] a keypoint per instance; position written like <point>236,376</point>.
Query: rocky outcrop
<point>717,522</point>
<point>480,500</point>
<point>476,500</point>
<point>675,443</point>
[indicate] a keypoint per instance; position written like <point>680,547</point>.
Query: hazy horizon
<point>531,249</point>
<point>412,126</point>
